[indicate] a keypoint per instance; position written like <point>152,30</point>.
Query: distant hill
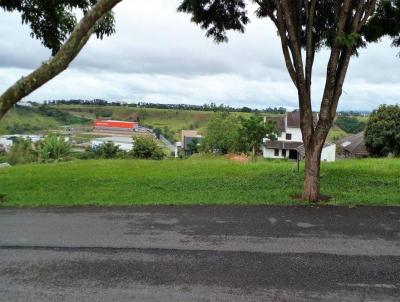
<point>170,121</point>
<point>35,119</point>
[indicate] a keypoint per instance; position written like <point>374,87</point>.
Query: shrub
<point>382,135</point>
<point>106,150</point>
<point>54,148</point>
<point>147,148</point>
<point>222,133</point>
<point>21,152</point>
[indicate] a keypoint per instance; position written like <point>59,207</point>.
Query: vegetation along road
<point>200,253</point>
<point>194,181</point>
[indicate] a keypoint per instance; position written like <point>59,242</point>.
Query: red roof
<point>114,124</point>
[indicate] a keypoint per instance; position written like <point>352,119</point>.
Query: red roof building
<point>113,125</point>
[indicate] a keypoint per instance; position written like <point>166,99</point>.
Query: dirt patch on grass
<point>238,158</point>
<point>2,198</point>
<point>322,198</point>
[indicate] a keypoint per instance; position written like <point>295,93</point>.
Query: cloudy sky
<point>157,55</point>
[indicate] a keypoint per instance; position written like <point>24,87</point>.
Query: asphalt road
<point>200,254</point>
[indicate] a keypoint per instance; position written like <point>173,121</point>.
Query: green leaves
<point>51,23</point>
<point>147,148</point>
<point>217,16</point>
<point>382,135</point>
<point>348,40</point>
<point>54,148</point>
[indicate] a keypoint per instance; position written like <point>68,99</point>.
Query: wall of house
<point>296,134</point>
<point>329,153</point>
<point>270,153</point>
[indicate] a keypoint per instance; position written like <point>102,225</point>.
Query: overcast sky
<point>157,55</point>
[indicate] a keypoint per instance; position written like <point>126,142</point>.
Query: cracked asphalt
<point>200,253</point>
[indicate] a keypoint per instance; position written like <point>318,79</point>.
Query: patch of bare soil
<point>2,198</point>
<point>238,158</point>
<point>322,198</point>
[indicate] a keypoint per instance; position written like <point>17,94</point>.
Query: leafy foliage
<point>382,135</point>
<point>54,148</point>
<point>217,16</point>
<point>385,22</point>
<point>51,23</point>
<point>350,124</point>
<point>21,152</point>
<point>222,133</point>
<point>220,16</point>
<point>106,150</point>
<point>252,132</point>
<point>147,148</point>
<point>193,146</point>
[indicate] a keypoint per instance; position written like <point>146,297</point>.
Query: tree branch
<point>60,61</point>
<point>310,47</point>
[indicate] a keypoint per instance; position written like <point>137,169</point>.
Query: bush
<point>147,148</point>
<point>222,133</point>
<point>382,135</point>
<point>21,152</point>
<point>107,150</point>
<point>54,148</point>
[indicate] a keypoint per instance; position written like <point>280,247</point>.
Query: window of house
<point>288,136</point>
<point>284,153</point>
<point>276,152</point>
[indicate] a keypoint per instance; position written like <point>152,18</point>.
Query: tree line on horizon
<point>205,107</point>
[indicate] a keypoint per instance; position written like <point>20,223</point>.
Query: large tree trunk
<point>312,173</point>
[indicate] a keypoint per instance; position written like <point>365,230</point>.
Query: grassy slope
<point>33,120</point>
<point>176,120</point>
<point>27,116</point>
<point>217,181</point>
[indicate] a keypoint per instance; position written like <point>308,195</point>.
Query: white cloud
<point>158,55</point>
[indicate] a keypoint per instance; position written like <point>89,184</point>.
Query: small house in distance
<point>188,136</point>
<point>112,125</point>
<point>124,143</point>
<point>352,146</point>
<point>289,143</point>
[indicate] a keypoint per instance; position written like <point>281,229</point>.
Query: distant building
<point>6,141</point>
<point>124,143</point>
<point>187,137</point>
<point>112,125</point>
<point>353,146</point>
<point>289,143</point>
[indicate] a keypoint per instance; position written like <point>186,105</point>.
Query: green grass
<point>33,120</point>
<point>335,134</point>
<point>175,120</point>
<point>194,181</point>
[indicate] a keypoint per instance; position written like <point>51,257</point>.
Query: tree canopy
<point>382,135</point>
<point>52,24</point>
<point>219,16</point>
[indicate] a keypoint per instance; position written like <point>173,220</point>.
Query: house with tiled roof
<point>289,143</point>
<point>353,146</point>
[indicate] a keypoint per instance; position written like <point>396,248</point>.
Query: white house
<point>6,141</point>
<point>289,143</point>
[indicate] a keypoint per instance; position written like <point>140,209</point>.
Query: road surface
<point>200,254</point>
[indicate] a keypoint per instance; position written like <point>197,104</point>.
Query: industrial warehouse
<point>113,125</point>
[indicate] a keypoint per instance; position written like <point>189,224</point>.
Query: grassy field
<point>194,181</point>
<point>175,120</point>
<point>21,120</point>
